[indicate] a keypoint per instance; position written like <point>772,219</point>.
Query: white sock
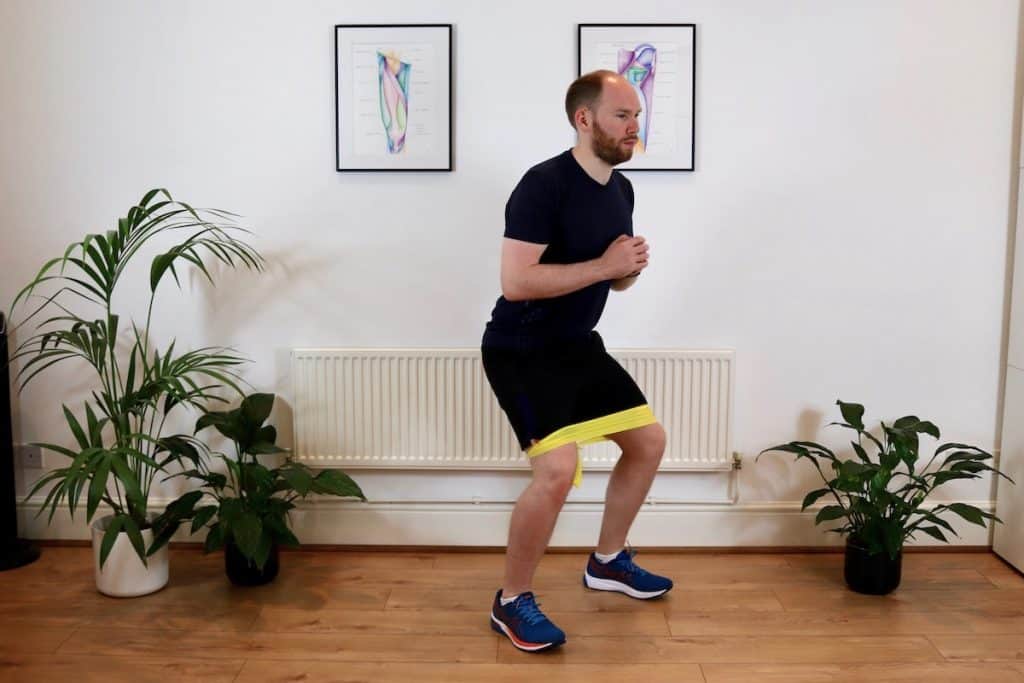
<point>505,601</point>
<point>605,559</point>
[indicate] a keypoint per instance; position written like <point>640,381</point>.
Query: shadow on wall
<point>782,478</point>
<point>793,478</point>
<point>243,303</point>
<point>242,300</point>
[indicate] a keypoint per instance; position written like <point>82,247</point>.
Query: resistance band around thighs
<point>592,431</point>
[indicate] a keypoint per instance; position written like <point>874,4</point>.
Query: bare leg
<point>535,514</point>
<point>642,449</point>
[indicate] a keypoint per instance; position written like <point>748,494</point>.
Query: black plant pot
<point>242,572</point>
<point>871,574</point>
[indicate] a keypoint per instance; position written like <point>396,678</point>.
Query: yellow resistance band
<point>592,431</point>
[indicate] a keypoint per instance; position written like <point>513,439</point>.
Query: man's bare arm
<point>524,278</point>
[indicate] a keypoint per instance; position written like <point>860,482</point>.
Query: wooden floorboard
<point>423,616</point>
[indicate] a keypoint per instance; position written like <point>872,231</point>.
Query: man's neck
<point>595,167</point>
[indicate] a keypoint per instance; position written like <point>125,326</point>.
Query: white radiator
<point>433,408</point>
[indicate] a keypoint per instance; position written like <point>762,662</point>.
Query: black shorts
<point>546,390</point>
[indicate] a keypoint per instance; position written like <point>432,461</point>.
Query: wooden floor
<point>366,616</point>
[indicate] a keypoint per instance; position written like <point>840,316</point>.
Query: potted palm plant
<point>879,494</point>
<point>119,445</point>
<point>245,507</point>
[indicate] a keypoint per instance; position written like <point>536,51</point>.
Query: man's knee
<point>650,444</point>
<point>556,471</point>
<point>658,440</point>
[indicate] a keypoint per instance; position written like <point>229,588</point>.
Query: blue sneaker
<point>625,577</point>
<point>524,624</point>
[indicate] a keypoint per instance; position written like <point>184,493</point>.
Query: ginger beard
<point>610,150</point>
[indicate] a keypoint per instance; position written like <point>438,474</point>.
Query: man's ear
<point>583,117</point>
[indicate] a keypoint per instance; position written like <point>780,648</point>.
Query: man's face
<point>615,126</point>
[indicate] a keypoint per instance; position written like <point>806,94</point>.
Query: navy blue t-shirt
<point>556,203</point>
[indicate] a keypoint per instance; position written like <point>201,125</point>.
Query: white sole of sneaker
<point>619,587</point>
<point>497,625</point>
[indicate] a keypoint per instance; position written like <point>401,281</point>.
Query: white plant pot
<point>123,575</point>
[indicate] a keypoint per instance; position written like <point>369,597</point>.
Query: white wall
<point>845,230</point>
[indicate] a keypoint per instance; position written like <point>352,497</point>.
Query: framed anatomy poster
<point>393,97</point>
<point>659,61</point>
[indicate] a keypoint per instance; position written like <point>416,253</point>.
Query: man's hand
<point>625,257</point>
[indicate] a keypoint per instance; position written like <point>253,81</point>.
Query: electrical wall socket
<point>28,456</point>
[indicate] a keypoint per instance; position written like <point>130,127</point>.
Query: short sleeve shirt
<point>558,204</point>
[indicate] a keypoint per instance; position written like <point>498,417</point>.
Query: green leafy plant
<point>249,504</point>
<point>120,446</point>
<point>880,495</point>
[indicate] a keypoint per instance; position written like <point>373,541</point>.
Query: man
<point>568,241</point>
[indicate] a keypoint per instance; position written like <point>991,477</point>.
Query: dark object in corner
<point>14,552</point>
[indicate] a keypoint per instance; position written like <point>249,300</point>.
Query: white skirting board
<point>486,524</point>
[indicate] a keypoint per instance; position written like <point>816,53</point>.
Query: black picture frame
<point>354,137</point>
<point>681,114</point>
